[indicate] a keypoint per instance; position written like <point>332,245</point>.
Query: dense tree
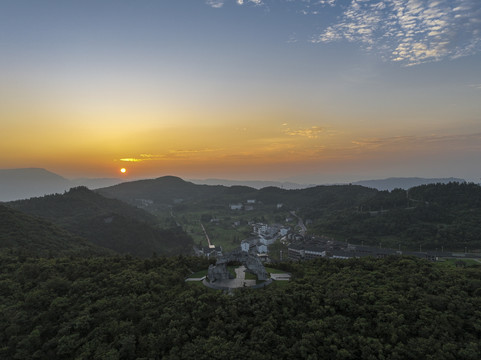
<point>433,216</point>
<point>124,308</point>
<point>107,223</point>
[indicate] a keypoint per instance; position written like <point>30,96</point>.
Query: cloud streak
<point>467,141</point>
<point>172,154</point>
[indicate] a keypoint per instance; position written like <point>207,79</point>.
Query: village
<point>298,245</point>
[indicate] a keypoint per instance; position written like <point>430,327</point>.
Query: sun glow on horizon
<point>123,170</point>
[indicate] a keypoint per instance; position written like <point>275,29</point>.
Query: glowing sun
<point>123,170</point>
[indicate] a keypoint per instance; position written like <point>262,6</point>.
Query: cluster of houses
<point>264,235</point>
<point>249,205</point>
<point>301,247</point>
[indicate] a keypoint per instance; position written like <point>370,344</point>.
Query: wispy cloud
<point>476,86</point>
<point>256,2</point>
<point>215,3</point>
<point>410,31</point>
<point>219,3</point>
<point>311,133</point>
<point>171,154</point>
<point>131,160</point>
<point>468,141</point>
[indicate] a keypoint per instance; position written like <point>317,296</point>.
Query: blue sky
<point>305,90</point>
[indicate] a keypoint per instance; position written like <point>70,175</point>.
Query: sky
<point>312,91</point>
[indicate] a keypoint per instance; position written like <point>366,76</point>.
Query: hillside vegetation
<point>127,308</point>
<point>431,216</point>
<point>443,216</point>
<point>29,235</point>
<point>106,222</point>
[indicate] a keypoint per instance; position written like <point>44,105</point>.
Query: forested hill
<point>29,235</point>
<point>443,216</point>
<point>127,308</point>
<point>404,183</point>
<point>431,216</point>
<point>171,190</point>
<point>107,222</point>
<point>163,190</point>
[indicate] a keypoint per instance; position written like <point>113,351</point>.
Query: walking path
<point>300,223</point>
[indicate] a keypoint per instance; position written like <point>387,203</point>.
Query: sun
<point>123,170</point>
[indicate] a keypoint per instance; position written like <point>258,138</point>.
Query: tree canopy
<point>127,308</point>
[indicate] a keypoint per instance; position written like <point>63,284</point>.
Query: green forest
<point>435,216</point>
<point>432,216</point>
<point>83,276</point>
<point>121,307</point>
<point>107,223</point>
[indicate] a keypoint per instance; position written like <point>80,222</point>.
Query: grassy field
<point>199,274</point>
<point>275,271</point>
<point>453,262</point>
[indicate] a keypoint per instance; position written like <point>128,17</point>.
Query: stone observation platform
<point>220,277</point>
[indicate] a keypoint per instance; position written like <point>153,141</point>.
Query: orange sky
<point>231,91</point>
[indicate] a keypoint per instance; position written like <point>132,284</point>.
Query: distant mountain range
<point>404,183</point>
<point>25,183</point>
<point>381,184</point>
<point>257,184</point>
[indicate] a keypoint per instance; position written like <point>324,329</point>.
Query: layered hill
<point>431,216</point>
<point>257,184</point>
<point>109,223</point>
<point>34,236</point>
<point>170,190</point>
